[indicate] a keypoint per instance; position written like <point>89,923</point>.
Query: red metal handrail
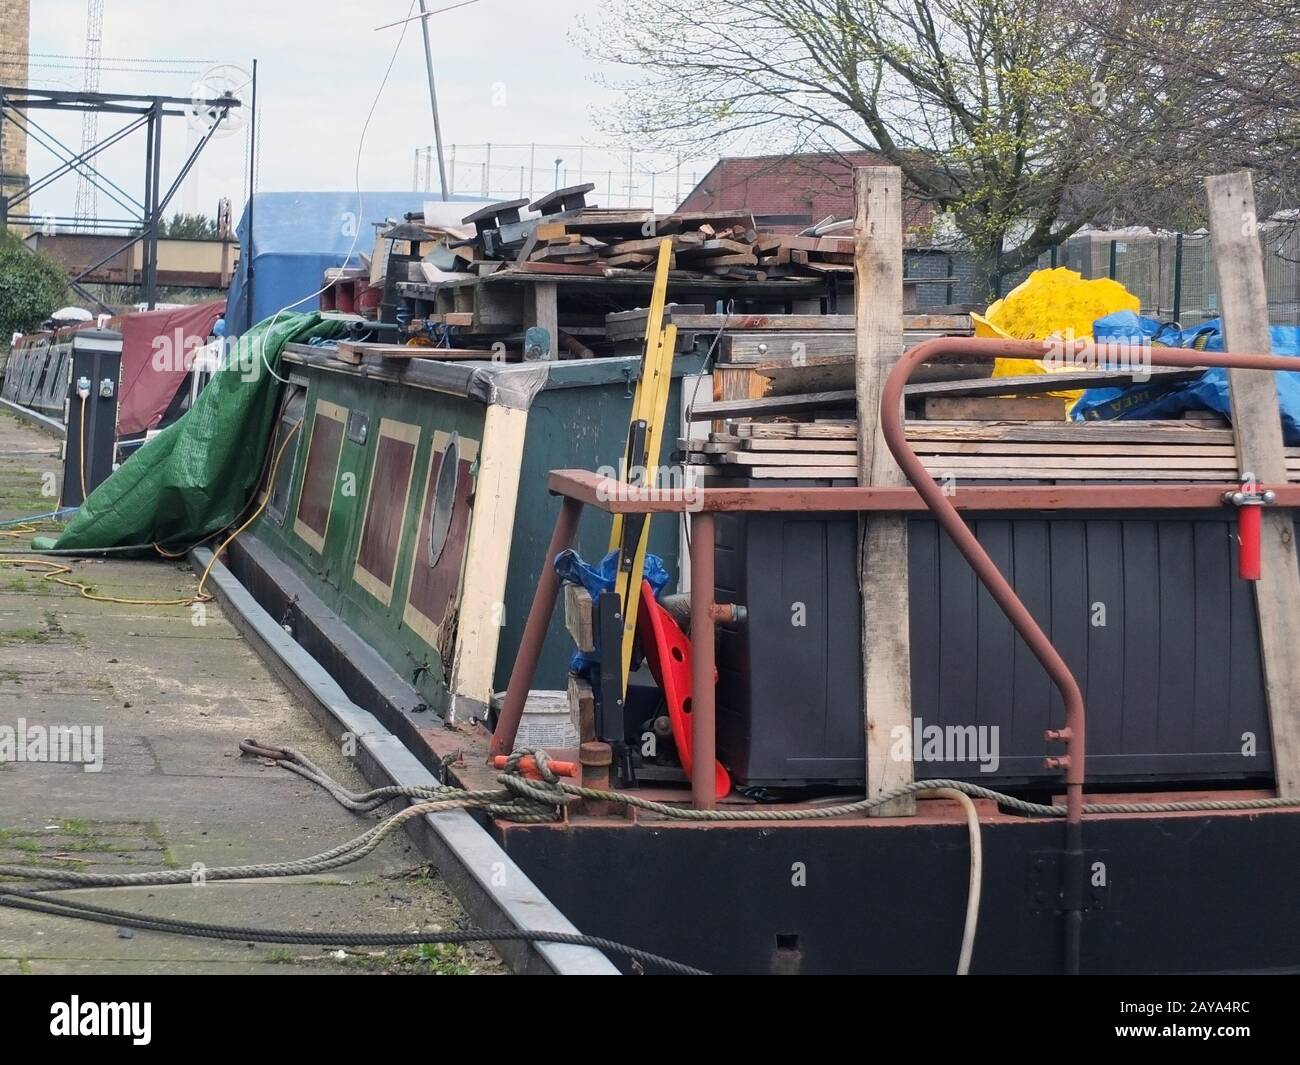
<point>1073,734</point>
<point>1071,352</point>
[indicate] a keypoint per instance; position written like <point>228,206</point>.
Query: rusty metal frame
<point>615,497</point>
<point>580,488</point>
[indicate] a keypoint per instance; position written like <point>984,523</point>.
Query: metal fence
<point>624,177</point>
<point>1173,274</point>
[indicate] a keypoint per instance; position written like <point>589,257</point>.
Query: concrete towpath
<point>174,690</point>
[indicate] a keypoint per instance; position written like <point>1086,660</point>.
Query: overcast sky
<point>508,74</point>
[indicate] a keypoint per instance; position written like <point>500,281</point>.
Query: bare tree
<point>1211,86</point>
<point>1022,120</point>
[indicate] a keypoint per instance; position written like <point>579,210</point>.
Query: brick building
<point>789,192</point>
<point>15,32</point>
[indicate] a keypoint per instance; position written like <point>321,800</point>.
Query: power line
<point>110,59</point>
<point>175,71</point>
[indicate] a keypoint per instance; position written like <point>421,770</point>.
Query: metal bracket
<point>1249,495</point>
<point>1045,888</point>
<point>358,426</point>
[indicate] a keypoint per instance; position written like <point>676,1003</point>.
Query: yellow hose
<point>266,498</point>
<point>56,571</point>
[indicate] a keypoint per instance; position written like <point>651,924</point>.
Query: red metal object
<point>534,635</point>
<point>668,653</point>
<point>1249,500</point>
<point>528,766</point>
<point>1249,525</point>
<point>613,497</point>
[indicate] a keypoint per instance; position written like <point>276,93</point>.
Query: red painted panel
<point>157,352</point>
<point>382,535</point>
<point>318,477</point>
<point>433,588</point>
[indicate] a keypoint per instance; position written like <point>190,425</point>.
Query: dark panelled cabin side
<point>1149,614</point>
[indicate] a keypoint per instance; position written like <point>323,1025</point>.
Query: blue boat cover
<point>1209,391</point>
<point>297,236</point>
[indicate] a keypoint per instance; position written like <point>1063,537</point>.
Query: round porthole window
<point>444,499</point>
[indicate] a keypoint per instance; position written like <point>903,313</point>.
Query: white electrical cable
<point>976,872</point>
<point>356,175</point>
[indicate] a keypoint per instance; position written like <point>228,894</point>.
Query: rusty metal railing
<point>580,488</point>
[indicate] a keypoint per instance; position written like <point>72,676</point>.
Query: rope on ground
<point>28,527</point>
<point>56,572</point>
<point>437,798</point>
<point>519,798</point>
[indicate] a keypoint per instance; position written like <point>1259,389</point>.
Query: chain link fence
<point>1174,276</point>
<point>624,177</point>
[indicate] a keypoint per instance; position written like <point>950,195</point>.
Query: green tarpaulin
<point>196,476</point>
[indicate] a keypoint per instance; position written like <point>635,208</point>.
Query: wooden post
<point>544,312</point>
<point>1256,423</point>
<point>882,538</point>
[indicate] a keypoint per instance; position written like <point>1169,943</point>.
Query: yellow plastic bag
<point>1051,303</point>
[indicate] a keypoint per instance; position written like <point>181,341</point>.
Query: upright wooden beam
<point>882,559</point>
<point>545,312</point>
<point>1256,423</point>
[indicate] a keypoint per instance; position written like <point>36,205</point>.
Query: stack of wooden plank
<point>982,451</point>
<point>786,254</point>
<point>566,235</point>
<point>603,242</point>
<point>941,390</point>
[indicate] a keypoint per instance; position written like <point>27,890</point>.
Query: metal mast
<point>87,208</point>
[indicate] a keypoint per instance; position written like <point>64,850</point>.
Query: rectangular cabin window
<point>291,414</point>
<point>316,500</point>
<point>389,491</point>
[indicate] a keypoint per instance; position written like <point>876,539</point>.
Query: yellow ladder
<point>630,534</point>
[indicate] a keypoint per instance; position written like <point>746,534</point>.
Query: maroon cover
<point>157,351</point>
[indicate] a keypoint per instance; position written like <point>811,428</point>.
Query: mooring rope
<point>519,798</point>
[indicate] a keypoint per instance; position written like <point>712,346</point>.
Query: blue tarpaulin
<point>297,236</point>
<point>1209,391</point>
<point>598,580</point>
